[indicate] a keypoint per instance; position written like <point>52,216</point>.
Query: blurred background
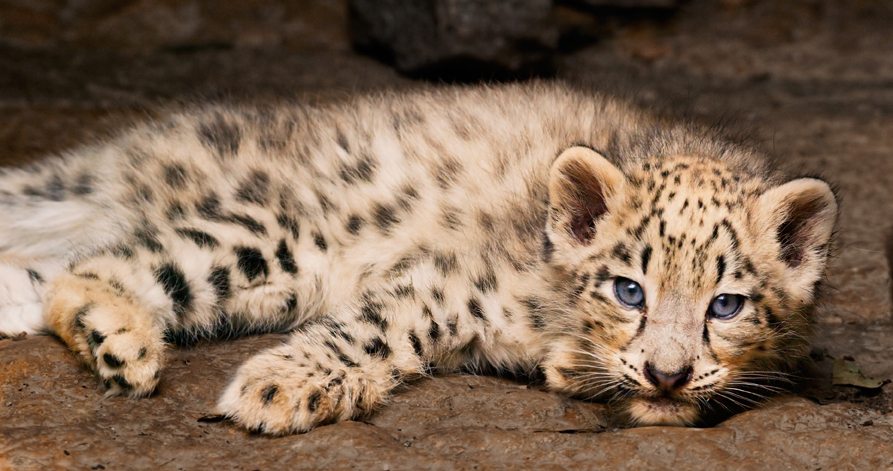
<point>94,55</point>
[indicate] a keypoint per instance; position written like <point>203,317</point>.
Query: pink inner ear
<point>793,233</point>
<point>587,202</point>
<point>583,219</point>
<point>791,242</point>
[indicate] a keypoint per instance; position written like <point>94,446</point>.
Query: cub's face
<point>691,284</point>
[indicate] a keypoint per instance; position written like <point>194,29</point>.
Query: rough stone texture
<point>516,36</point>
<point>811,80</point>
<point>54,417</point>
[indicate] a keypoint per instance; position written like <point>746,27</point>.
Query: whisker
<point>740,394</point>
<point>726,395</point>
<point>767,387</point>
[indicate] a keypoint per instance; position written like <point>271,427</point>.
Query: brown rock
<point>53,415</point>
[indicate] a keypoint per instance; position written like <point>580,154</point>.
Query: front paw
<point>278,393</point>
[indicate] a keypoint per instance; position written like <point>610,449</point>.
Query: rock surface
<point>55,417</point>
<point>817,93</point>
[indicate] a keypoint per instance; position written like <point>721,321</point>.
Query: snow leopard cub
<point>524,227</point>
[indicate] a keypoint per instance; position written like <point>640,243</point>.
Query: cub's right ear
<point>800,216</point>
<point>581,183</point>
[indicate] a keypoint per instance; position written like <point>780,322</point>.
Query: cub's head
<point>692,280</point>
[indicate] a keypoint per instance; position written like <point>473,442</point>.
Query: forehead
<point>686,212</point>
<point>712,178</point>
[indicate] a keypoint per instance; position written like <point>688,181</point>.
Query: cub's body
<point>509,227</point>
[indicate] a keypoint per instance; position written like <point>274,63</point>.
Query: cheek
<point>617,335</point>
<point>742,344</point>
<point>608,324</point>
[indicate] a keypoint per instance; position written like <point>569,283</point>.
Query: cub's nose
<point>667,382</point>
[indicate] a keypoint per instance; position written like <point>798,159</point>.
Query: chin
<point>662,411</point>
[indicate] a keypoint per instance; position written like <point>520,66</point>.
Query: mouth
<point>662,410</point>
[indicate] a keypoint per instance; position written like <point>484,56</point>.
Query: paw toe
<point>131,364</point>
<point>112,361</point>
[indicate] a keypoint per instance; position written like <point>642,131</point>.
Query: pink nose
<point>667,382</point>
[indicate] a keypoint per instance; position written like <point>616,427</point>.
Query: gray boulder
<point>457,37</point>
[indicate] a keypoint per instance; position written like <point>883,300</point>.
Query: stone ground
<point>813,80</point>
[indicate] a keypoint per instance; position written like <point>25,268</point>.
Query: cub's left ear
<point>802,214</point>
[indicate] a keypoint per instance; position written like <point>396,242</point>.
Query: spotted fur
<point>396,235</point>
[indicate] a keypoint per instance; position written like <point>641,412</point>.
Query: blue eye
<point>629,293</point>
<point>725,306</point>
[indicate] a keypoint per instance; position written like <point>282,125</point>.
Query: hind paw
<point>111,333</point>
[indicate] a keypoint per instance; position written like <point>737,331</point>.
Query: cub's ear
<point>581,182</point>
<point>801,215</point>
